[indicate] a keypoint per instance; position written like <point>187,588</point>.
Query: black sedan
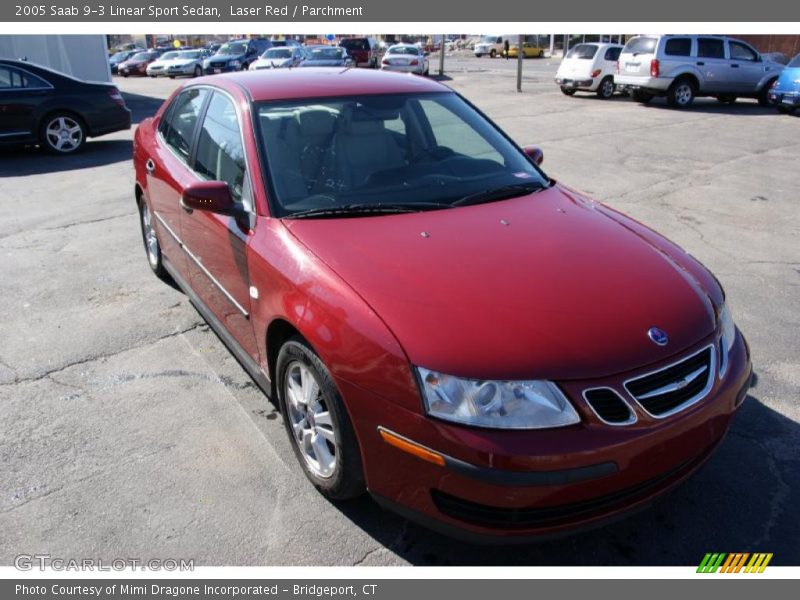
<point>41,106</point>
<point>118,58</point>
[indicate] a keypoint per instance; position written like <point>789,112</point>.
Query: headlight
<point>495,404</point>
<point>726,339</point>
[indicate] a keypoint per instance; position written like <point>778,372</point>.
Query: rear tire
<point>641,97</point>
<point>493,53</point>
<point>152,247</point>
<point>317,423</point>
<point>606,88</point>
<point>62,133</point>
<point>567,91</point>
<point>681,93</point>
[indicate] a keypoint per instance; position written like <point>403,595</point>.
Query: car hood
<point>542,286</point>
<point>790,78</point>
<point>272,62</point>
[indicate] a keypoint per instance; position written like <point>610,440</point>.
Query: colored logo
<point>734,562</point>
<point>659,336</point>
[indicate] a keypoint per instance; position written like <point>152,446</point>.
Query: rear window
<point>641,45</point>
<point>355,44</point>
<point>612,54</point>
<point>678,47</point>
<point>794,63</point>
<point>586,51</point>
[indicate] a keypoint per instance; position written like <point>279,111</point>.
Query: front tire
<point>606,88</point>
<point>493,53</point>
<point>198,72</point>
<point>63,133</point>
<point>763,95</point>
<point>316,421</point>
<point>681,94</point>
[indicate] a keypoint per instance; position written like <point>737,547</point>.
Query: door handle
<point>700,63</point>
<point>150,166</point>
<point>186,208</point>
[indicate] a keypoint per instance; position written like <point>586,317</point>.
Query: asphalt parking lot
<point>128,430</point>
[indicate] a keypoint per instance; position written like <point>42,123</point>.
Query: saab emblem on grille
<point>659,336</point>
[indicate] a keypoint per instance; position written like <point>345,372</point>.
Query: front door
<point>217,244</point>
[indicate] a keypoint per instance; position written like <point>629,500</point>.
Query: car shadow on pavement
<point>30,160</point>
<point>745,108</point>
<point>742,500</point>
<point>141,106</point>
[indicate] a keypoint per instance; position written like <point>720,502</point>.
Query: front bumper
<point>515,485</point>
<point>211,69</point>
<point>788,98</point>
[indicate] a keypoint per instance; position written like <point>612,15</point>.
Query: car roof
<point>290,84</point>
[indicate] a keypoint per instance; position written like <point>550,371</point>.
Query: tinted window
<point>413,50</point>
<point>741,52</point>
<point>586,51</point>
<point>220,155</point>
<point>12,78</point>
<point>710,48</point>
<point>179,132</point>
<point>641,45</point>
<point>678,47</point>
<point>612,53</point>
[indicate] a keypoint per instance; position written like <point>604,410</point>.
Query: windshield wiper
<point>357,210</point>
<point>501,193</point>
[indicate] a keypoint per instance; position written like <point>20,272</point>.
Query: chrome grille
<point>675,387</point>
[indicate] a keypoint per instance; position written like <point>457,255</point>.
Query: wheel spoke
<point>323,418</point>
<point>295,393</point>
<point>310,388</point>
<point>326,433</point>
<point>322,453</point>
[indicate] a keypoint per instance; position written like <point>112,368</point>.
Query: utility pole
<point>520,56</point>
<point>441,57</point>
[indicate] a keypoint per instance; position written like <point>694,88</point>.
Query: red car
<point>137,64</point>
<point>483,349</point>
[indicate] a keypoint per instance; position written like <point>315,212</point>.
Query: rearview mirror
<point>214,197</point>
<point>534,153</point>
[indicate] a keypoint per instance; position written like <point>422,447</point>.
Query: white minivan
<point>589,68</point>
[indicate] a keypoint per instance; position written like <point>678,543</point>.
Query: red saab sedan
<point>481,348</point>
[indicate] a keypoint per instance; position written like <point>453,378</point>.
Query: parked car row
<point>681,68</point>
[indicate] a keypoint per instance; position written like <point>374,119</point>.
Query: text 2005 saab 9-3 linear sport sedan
<point>483,349</point>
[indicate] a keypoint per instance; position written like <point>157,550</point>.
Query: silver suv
<point>682,67</point>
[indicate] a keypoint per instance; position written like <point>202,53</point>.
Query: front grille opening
<point>608,406</point>
<point>682,383</point>
<point>544,516</point>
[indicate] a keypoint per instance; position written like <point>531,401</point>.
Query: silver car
<point>178,63</point>
<point>682,67</point>
<point>280,57</point>
<point>405,58</point>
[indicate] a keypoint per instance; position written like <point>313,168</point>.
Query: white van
<point>493,45</point>
<point>589,68</point>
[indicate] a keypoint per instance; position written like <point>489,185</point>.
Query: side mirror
<point>534,153</point>
<point>214,197</point>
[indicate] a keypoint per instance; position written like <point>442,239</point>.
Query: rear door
<point>21,93</point>
<point>746,69</point>
<point>713,65</point>
<point>168,171</point>
<point>215,244</point>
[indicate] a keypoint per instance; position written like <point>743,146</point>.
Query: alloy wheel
<point>64,134</point>
<point>150,239</point>
<point>311,421</point>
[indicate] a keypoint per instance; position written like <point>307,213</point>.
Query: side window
<point>678,47</point>
<point>180,126</point>
<point>12,78</point>
<point>612,54</point>
<point>710,48</point>
<point>220,154</point>
<point>741,52</point>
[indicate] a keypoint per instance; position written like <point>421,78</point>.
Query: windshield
<point>403,50</point>
<point>170,56</point>
<point>491,39</point>
<point>278,53</point>
<point>120,56</point>
<point>794,63</point>
<point>190,54</point>
<point>142,56</point>
<point>409,151</point>
<point>235,48</point>
<point>326,53</point>
<point>641,45</point>
<point>585,51</point>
